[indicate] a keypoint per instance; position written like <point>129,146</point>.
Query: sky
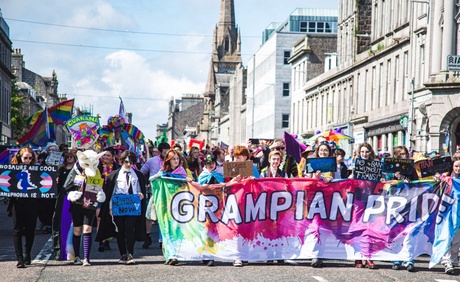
<point>144,51</point>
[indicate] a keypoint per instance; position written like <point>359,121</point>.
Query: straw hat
<point>309,149</point>
<point>418,157</point>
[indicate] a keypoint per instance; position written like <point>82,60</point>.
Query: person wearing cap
<point>308,153</point>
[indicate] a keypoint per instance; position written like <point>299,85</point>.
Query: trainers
<point>122,259</point>
<point>86,262</point>
<point>20,264</point>
<point>237,263</point>
<point>130,259</point>
<point>147,243</point>
<point>173,262</point>
<point>449,268</point>
<point>316,263</point>
<point>359,264</point>
<point>77,261</point>
<point>370,264</point>
<point>410,267</point>
<point>396,266</point>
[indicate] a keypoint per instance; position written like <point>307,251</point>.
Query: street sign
<point>453,63</point>
<point>403,121</point>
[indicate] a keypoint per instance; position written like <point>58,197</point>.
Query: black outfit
<point>124,223</point>
<point>24,212</point>
<point>343,171</point>
<point>57,216</point>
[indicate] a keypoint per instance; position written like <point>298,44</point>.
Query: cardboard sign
<point>28,181</point>
<point>54,158</point>
<point>126,205</point>
<point>403,166</point>
<point>368,170</point>
<point>93,186</point>
<point>232,169</point>
<point>440,165</point>
<point>322,164</point>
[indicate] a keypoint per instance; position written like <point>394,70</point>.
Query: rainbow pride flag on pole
<point>60,113</point>
<point>42,131</point>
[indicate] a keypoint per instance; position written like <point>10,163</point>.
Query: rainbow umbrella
<point>330,136</point>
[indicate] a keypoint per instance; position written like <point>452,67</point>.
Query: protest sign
<point>28,181</point>
<point>322,164</point>
<point>54,158</point>
<point>440,165</point>
<point>367,170</point>
<point>126,205</point>
<point>93,186</point>
<point>403,166</point>
<point>232,169</point>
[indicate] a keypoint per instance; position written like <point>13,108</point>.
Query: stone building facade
<point>6,77</point>
<point>393,84</point>
<point>38,91</point>
<point>184,118</point>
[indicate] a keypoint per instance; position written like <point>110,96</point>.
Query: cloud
<point>145,90</point>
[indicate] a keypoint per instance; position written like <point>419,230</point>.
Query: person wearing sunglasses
<point>126,228</point>
<point>24,212</point>
<point>288,163</point>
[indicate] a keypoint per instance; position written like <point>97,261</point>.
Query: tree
<point>18,122</point>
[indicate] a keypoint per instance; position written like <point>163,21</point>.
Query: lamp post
<point>411,115</point>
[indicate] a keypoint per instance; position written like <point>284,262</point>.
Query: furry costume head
<point>88,160</point>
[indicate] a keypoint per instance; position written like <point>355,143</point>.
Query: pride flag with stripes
<point>60,113</point>
<point>42,131</point>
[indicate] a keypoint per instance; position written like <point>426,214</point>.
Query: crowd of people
<point>124,172</point>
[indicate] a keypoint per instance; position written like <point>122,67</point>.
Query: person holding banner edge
<point>401,152</point>
<point>171,168</point>
<point>126,228</point>
<point>450,258</point>
<point>366,152</point>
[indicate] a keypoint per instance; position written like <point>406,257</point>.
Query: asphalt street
<point>149,266</point>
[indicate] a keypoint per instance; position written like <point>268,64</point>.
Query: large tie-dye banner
<point>278,218</point>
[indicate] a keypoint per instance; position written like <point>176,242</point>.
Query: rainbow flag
<point>40,133</point>
<point>60,113</point>
<point>134,132</point>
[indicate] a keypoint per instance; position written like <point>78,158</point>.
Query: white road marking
<point>444,280</point>
<point>320,279</point>
<point>45,253</point>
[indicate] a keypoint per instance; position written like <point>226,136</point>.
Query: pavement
<point>149,266</point>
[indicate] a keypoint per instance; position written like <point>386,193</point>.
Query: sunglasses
<point>27,158</point>
<point>127,162</point>
<point>69,157</point>
<point>280,148</point>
